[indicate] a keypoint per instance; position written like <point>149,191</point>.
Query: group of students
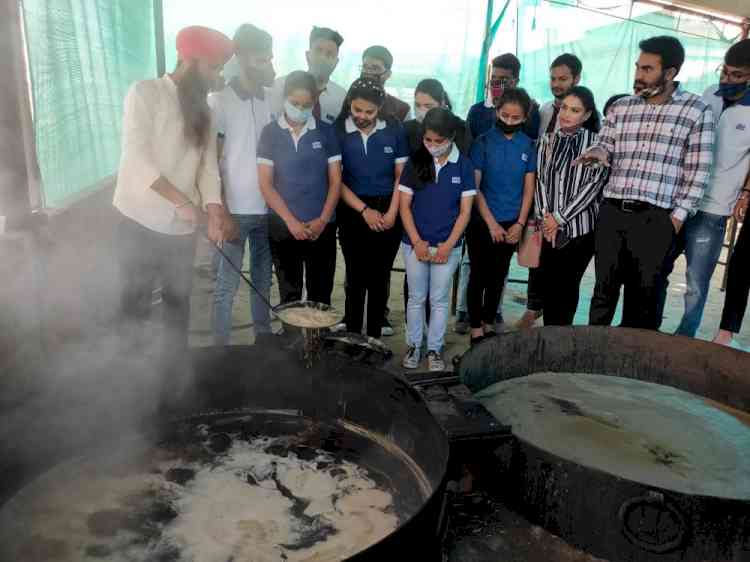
<point>352,165</point>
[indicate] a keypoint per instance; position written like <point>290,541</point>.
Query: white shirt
<point>331,99</point>
<point>545,116</point>
<point>731,155</point>
<point>154,145</point>
<point>240,118</point>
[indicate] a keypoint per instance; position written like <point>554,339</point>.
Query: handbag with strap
<point>530,247</point>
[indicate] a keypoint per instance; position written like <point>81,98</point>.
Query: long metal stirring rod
<point>239,271</point>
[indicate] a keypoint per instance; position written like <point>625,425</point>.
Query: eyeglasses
<point>371,70</point>
<point>735,75</point>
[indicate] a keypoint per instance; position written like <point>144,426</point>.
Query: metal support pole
<point>161,61</point>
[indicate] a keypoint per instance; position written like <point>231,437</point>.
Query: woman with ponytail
<point>437,191</point>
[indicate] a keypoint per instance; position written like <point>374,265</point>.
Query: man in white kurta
<point>167,182</point>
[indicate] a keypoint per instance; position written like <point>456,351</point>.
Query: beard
<point>646,90</point>
<point>192,91</point>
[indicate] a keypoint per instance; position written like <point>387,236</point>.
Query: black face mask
<point>508,129</point>
<point>261,75</point>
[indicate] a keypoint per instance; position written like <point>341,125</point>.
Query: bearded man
<point>167,182</point>
<point>659,144</point>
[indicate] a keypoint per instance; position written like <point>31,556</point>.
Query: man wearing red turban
<point>167,181</point>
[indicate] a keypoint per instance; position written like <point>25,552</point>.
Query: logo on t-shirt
<point>317,144</point>
<point>741,127</point>
<point>388,149</point>
<point>455,179</point>
<point>525,157</point>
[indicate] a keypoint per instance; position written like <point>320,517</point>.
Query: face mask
<point>363,123</point>
<point>732,91</point>
<point>296,114</point>
<point>322,68</point>
<point>439,150</point>
<point>419,114</point>
<point>651,91</point>
<point>508,129</point>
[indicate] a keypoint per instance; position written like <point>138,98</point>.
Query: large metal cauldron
<point>74,415</point>
<point>606,515</point>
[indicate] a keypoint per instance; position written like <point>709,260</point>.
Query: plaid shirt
<point>660,154</point>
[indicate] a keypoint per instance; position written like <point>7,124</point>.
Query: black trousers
<point>630,251</point>
<point>369,257</point>
<point>564,268</point>
<point>490,263</point>
<point>148,259</point>
<point>738,283</point>
<point>303,263</point>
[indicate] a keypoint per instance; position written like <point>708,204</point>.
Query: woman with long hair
<point>437,192</point>
<point>567,201</point>
<point>374,151</point>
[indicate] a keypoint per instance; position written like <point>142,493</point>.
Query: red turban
<point>203,43</point>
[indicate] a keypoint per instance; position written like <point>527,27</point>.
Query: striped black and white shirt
<point>569,193</point>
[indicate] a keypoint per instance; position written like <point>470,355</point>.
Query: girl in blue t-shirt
<point>437,192</point>
<point>374,151</point>
<point>505,162</point>
<point>299,171</point>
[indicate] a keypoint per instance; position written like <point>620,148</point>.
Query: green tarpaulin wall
<point>83,54</point>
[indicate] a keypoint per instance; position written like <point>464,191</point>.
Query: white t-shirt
<point>331,100</point>
<point>154,145</point>
<point>731,154</point>
<point>240,118</point>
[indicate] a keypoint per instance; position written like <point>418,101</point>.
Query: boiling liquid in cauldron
<point>641,431</point>
<point>208,497</point>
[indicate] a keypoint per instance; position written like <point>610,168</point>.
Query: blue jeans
<point>253,229</point>
<point>700,238</point>
<point>433,279</point>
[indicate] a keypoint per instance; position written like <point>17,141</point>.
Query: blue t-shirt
<point>369,167</point>
<point>435,206</point>
<point>504,164</point>
<point>300,172</point>
<point>482,118</point>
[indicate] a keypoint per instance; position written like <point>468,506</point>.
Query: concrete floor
<point>513,307</point>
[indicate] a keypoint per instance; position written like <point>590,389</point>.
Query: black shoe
<point>267,339</point>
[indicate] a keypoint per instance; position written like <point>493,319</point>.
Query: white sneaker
<point>412,358</point>
<point>340,327</point>
<point>435,362</point>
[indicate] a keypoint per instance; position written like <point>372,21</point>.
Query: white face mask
<point>419,114</point>
<point>439,150</point>
<point>296,114</point>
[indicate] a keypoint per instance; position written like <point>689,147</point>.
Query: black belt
<point>632,205</point>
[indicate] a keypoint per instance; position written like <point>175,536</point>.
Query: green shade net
<point>83,55</point>
<point>607,43</point>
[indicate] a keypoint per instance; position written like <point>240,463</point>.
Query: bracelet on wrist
<point>362,212</point>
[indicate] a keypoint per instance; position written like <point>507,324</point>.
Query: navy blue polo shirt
<point>300,169</point>
<point>504,164</point>
<point>482,118</point>
<point>435,206</point>
<point>369,164</point>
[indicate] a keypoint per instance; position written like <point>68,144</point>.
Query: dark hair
<point>589,104</point>
<point>301,80</point>
<point>380,53</point>
<point>611,101</point>
<point>571,61</point>
<point>444,123</point>
<point>508,61</point>
<point>435,90</point>
<point>516,95</point>
<point>738,54</point>
<point>365,89</point>
<point>669,49</point>
<point>326,33</point>
<point>249,38</point>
